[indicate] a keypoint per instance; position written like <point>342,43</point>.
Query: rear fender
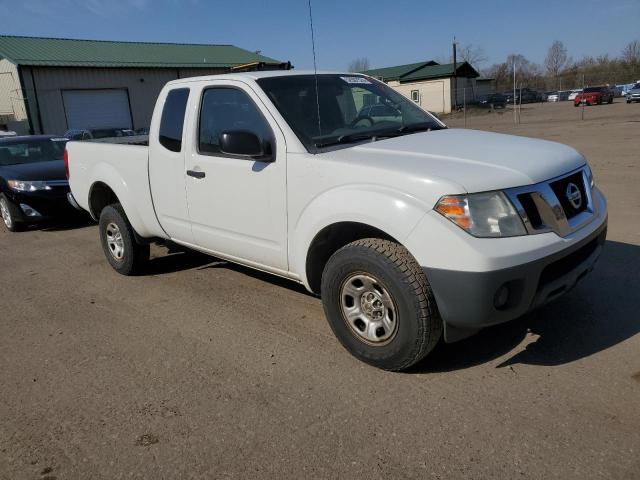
<point>108,175</point>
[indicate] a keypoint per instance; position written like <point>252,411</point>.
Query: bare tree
<point>557,59</point>
<point>631,52</point>
<point>359,65</point>
<point>473,55</point>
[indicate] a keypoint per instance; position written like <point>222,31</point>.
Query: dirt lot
<point>205,370</point>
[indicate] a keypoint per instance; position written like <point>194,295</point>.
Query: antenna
<point>315,69</point>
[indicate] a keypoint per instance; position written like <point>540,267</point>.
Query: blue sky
<point>386,32</point>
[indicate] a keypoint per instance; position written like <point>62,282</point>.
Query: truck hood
<point>475,160</point>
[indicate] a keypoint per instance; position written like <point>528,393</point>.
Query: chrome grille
<point>544,207</point>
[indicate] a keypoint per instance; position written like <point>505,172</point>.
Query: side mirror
<point>244,144</point>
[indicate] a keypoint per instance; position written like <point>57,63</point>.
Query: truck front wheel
<point>379,304</point>
<point>118,240</point>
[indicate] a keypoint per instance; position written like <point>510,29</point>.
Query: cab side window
<point>224,110</point>
<point>172,120</point>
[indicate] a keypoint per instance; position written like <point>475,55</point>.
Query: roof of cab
<point>258,75</point>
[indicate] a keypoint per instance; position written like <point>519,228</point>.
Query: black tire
<point>134,255</point>
<point>418,327</point>
<point>11,212</point>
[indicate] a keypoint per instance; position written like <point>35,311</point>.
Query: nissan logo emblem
<point>574,196</point>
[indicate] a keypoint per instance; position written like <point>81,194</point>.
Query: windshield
<point>592,89</point>
<point>31,151</point>
<point>352,108</point>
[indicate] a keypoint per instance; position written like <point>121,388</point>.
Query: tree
<point>359,65</point>
<point>557,59</point>
<point>473,55</point>
<point>528,74</point>
<point>631,52</point>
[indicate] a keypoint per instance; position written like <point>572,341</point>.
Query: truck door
<point>237,204</point>
<point>166,165</point>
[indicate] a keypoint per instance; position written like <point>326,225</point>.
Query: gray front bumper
<point>466,299</point>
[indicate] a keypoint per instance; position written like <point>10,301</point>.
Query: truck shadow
<point>70,223</point>
<point>599,313</point>
<point>178,258</point>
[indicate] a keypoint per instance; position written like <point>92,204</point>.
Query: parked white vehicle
<point>574,94</point>
<point>404,227</point>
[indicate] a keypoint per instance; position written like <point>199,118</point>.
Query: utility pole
<point>515,112</point>
<point>583,102</point>
<point>464,105</point>
<point>455,75</point>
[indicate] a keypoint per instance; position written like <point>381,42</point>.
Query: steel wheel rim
<point>6,215</point>
<point>368,309</point>
<point>115,243</point>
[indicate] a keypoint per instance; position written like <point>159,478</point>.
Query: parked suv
<point>493,100</point>
<point>633,95</point>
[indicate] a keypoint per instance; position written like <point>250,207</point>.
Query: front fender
<point>391,211</point>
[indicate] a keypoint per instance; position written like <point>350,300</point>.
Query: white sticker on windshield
<point>356,80</point>
<point>59,139</point>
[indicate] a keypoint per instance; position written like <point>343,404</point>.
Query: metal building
<point>431,85</point>
<point>50,85</point>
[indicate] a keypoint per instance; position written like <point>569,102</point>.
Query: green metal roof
<point>435,71</point>
<point>422,71</point>
<point>395,73</point>
<point>62,52</point>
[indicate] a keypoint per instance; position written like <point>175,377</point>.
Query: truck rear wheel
<point>118,240</point>
<point>379,304</point>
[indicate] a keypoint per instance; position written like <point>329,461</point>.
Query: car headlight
<point>489,214</point>
<point>28,186</point>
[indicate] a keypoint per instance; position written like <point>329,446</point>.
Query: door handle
<point>196,174</point>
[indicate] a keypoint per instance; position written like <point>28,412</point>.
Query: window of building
<point>415,96</point>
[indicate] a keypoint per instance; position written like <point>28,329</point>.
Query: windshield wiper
<point>420,127</point>
<point>386,133</point>
<point>356,137</point>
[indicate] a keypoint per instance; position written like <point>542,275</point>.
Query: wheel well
<point>100,196</point>
<point>331,239</point>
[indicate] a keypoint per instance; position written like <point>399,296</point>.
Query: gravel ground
<point>201,369</point>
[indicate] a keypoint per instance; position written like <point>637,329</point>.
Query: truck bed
<point>125,169</point>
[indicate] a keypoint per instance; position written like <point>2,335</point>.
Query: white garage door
<point>97,108</point>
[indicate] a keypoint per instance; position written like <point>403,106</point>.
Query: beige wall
<point>11,103</point>
<point>435,95</point>
<point>44,87</point>
<point>438,95</point>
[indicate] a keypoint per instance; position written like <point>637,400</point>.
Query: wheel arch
<point>332,238</point>
<point>100,196</point>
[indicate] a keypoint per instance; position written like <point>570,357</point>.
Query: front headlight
<point>27,186</point>
<point>489,214</point>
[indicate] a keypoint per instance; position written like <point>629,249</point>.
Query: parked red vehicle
<point>594,96</point>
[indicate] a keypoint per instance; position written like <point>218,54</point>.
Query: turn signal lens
<point>456,209</point>
<point>482,215</point>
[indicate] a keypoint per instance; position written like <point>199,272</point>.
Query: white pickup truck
<point>408,230</point>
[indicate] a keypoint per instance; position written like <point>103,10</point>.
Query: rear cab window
<point>172,121</point>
